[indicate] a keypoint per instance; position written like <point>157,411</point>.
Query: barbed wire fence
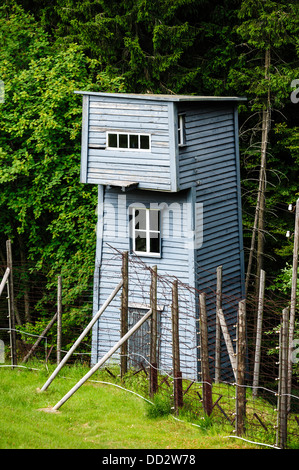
<point>176,351</point>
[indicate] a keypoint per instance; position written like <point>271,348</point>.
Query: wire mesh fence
<point>36,304</point>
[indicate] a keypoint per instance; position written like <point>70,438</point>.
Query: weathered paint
<point>204,173</point>
<point>175,261</point>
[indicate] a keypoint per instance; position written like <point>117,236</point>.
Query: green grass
<point>97,416</point>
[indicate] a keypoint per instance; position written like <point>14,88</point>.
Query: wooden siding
<point>209,162</point>
<point>175,261</point>
<point>151,169</point>
<point>204,171</point>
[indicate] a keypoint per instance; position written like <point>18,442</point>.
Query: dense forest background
<point>50,49</point>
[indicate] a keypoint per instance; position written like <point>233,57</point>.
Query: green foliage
<point>161,406</point>
<point>162,46</point>
<point>47,213</point>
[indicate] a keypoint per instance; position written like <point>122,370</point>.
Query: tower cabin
<point>167,171</point>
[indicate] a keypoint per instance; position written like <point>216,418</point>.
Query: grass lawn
<point>97,416</point>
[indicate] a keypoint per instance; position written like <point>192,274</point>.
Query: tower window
<point>128,141</point>
<point>146,233</point>
<point>181,130</point>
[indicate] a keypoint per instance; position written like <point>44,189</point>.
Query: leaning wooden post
<point>41,336</point>
<point>177,375</point>
<point>94,319</point>
<point>218,329</point>
<point>240,382</point>
<point>153,344</point>
<point>228,341</point>
<point>258,343</point>
<point>205,371</point>
<point>124,314</point>
<point>4,280</point>
<point>59,318</point>
<point>11,301</point>
<point>293,302</point>
<point>103,360</point>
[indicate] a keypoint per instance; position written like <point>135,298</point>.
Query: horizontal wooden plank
<point>111,175</point>
<point>125,104</point>
<point>196,162</point>
<point>213,146</point>
<point>210,132</point>
<point>113,121</point>
<point>207,121</point>
<point>125,163</point>
<point>102,113</point>
<point>128,126</point>
<point>154,186</point>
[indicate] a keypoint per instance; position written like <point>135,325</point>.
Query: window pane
<point>140,241</point>
<point>140,219</point>
<point>179,137</point>
<point>133,141</point>
<point>112,140</point>
<point>154,220</point>
<point>123,141</point>
<point>144,142</point>
<point>155,243</point>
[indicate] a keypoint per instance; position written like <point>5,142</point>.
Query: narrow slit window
<point>146,233</point>
<point>181,130</point>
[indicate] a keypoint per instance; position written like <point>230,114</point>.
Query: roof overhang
<point>158,97</point>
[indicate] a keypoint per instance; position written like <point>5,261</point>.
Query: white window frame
<point>128,149</point>
<point>181,130</point>
<point>147,231</point>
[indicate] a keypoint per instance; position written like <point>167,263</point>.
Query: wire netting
<point>36,303</point>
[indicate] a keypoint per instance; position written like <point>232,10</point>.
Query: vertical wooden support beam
<point>177,388</point>
<point>124,313</point>
<point>153,343</point>
<point>258,342</point>
<point>283,382</point>
<point>11,301</point>
<point>293,302</point>
<point>241,361</point>
<point>59,318</point>
<point>205,371</point>
<point>218,329</point>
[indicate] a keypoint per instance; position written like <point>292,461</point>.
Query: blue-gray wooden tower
<point>167,170</point>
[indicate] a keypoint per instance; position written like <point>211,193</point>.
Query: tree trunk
<point>259,220</point>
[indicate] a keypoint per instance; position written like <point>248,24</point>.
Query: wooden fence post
<point>241,360</point>
<point>153,343</point>
<point>293,302</point>
<point>257,357</point>
<point>283,381</point>
<point>177,376</point>
<point>205,371</point>
<point>11,309</point>
<point>124,314</point>
<point>59,318</point>
<point>218,330</point>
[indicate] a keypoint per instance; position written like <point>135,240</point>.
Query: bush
<point>161,407</point>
